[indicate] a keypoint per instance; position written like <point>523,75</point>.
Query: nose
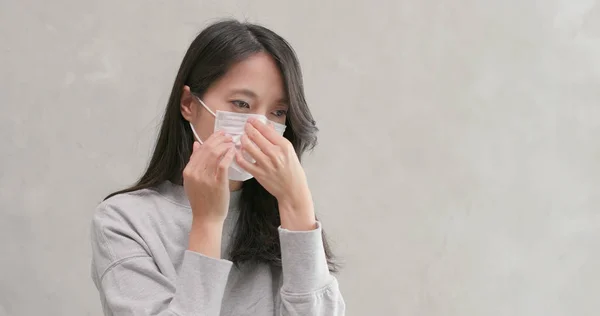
<point>260,112</point>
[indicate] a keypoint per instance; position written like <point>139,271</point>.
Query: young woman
<point>222,222</point>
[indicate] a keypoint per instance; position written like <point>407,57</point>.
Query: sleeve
<point>130,282</point>
<point>308,287</point>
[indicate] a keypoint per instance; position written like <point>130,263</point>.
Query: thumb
<point>223,170</point>
<point>195,147</point>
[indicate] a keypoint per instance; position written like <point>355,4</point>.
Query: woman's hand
<point>206,185</point>
<point>278,170</point>
<point>205,177</point>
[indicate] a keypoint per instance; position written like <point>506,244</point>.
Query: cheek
<point>204,124</point>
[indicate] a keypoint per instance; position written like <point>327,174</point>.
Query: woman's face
<point>253,85</point>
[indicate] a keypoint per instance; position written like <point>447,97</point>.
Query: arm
<point>308,287</point>
<point>130,283</point>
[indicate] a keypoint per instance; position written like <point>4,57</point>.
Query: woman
<point>222,222</point>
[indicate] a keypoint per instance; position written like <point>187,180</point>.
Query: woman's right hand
<point>205,178</point>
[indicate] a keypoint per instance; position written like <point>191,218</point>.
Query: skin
<point>255,86</point>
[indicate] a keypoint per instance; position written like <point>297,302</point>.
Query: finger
<point>216,138</point>
<point>191,166</point>
<point>257,137</point>
<point>210,148</point>
<point>269,133</point>
<point>242,162</point>
<point>253,150</point>
<point>223,167</point>
<point>194,155</point>
<point>216,155</point>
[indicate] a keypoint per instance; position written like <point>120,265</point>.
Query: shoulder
<point>141,213</point>
<point>122,224</point>
<point>126,225</point>
<point>141,206</point>
<point>126,206</point>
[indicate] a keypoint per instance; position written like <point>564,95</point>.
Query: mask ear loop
<point>192,126</point>
<point>195,134</point>
<point>206,107</point>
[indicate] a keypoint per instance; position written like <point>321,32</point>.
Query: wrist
<point>207,220</point>
<point>297,212</point>
<point>209,225</point>
<point>298,222</point>
<point>205,237</point>
<point>297,199</point>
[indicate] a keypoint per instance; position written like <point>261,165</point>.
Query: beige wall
<point>457,170</point>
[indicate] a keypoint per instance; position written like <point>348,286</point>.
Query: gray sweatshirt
<point>141,265</point>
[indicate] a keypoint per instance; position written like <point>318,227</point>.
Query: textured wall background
<point>457,170</point>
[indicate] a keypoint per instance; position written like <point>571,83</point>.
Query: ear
<point>186,102</point>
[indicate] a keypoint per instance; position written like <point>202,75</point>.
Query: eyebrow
<point>246,92</point>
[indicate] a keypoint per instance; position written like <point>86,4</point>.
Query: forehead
<point>258,73</point>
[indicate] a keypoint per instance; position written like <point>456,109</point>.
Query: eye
<point>241,104</point>
<point>280,113</point>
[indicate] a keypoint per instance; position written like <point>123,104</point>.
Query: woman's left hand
<point>279,171</point>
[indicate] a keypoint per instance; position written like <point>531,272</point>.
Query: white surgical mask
<point>233,124</point>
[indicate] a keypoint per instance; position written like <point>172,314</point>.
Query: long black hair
<point>208,58</point>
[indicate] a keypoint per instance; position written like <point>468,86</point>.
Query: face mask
<point>233,124</point>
